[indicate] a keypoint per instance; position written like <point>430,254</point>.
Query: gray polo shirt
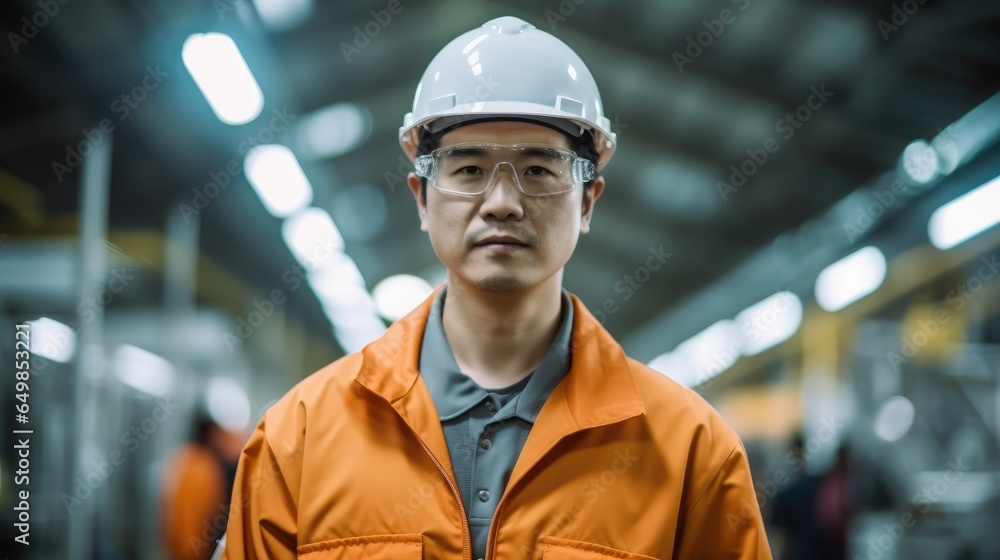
<point>486,429</point>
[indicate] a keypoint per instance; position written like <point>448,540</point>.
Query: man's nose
<point>503,197</point>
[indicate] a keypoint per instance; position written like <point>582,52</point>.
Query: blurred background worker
<point>810,514</point>
<point>196,490</point>
<point>833,508</point>
<point>199,208</point>
<point>793,513</point>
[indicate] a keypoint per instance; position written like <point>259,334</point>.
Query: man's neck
<point>500,338</point>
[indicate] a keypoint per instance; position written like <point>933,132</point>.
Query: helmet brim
<point>411,132</point>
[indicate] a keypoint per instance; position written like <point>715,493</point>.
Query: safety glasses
<point>471,168</point>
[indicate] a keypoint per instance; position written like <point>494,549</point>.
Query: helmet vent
<point>571,106</point>
<point>442,103</point>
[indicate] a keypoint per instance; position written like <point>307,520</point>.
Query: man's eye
<point>468,170</point>
<point>535,170</point>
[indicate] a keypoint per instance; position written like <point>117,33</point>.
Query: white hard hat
<point>508,68</point>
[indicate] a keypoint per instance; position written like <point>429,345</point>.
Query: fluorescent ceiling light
<point>52,339</point>
<point>340,288</point>
<point>350,308</point>
<point>703,356</point>
<point>965,217</point>
<point>340,270</point>
<point>397,295</point>
<point>672,365</point>
<point>278,179</point>
<point>715,349</point>
<point>950,155</point>
<point>281,15</point>
<point>313,238</point>
<point>144,370</point>
<point>228,404</point>
<point>333,130</point>
<point>361,313</point>
<point>363,330</point>
<point>894,418</point>
<point>769,322</point>
<point>342,301</point>
<point>963,139</point>
<point>216,65</point>
<point>850,279</point>
<point>920,162</point>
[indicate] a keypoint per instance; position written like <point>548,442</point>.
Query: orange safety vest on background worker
<point>622,462</point>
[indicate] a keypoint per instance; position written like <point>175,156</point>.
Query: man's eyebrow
<point>468,151</point>
<point>547,153</point>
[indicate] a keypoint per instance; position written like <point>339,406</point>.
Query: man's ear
<point>590,196</point>
<point>415,184</point>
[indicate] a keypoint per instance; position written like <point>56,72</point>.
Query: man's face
<point>547,227</point>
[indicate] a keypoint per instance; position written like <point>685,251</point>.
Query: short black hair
<point>583,145</point>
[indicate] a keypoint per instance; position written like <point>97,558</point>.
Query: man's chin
<point>502,284</point>
<point>498,282</point>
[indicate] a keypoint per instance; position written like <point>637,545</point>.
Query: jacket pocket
<point>555,548</point>
<point>373,547</point>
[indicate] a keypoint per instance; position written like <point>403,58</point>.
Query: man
<point>499,419</point>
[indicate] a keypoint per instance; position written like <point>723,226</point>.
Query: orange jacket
<point>621,463</point>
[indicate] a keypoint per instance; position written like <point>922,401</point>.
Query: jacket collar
<point>455,393</point>
<point>599,388</point>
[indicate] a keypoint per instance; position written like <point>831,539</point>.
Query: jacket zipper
<point>466,531</point>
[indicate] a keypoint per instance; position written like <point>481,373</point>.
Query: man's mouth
<point>501,243</point>
<point>501,240</point>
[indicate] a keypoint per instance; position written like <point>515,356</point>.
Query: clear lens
<point>472,168</point>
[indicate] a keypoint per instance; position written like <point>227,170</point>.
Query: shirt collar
<point>454,393</point>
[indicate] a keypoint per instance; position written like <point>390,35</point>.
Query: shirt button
<point>490,407</point>
<point>486,444</point>
<point>484,495</point>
